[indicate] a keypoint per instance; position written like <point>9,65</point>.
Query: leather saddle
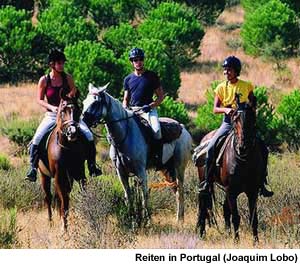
<point>170,129</point>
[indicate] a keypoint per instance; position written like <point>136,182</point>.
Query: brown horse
<point>63,158</point>
<point>239,170</point>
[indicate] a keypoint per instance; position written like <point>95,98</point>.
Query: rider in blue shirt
<point>139,89</point>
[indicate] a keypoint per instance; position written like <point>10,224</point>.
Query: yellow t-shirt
<point>227,93</point>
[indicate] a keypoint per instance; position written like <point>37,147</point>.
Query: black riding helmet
<point>136,53</point>
<point>234,63</point>
<point>56,55</point>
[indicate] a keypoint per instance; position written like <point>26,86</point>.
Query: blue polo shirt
<point>141,88</point>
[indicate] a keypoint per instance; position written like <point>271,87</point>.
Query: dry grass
<point>19,100</point>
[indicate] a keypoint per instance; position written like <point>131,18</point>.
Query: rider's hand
<point>228,110</point>
<point>54,109</point>
<point>146,108</point>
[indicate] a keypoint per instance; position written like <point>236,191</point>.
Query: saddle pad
<point>170,129</point>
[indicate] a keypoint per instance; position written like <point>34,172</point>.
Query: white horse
<point>129,150</point>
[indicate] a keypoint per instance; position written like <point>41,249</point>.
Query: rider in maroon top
<point>48,96</point>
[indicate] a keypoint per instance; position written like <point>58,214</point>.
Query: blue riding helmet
<point>136,53</point>
<point>234,63</point>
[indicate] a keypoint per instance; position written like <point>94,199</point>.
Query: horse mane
<point>117,106</point>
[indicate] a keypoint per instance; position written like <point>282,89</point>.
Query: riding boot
<point>34,160</point>
<point>94,170</point>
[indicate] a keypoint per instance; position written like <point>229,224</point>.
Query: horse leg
<point>46,186</point>
<point>62,191</point>
<point>123,177</point>
<point>145,197</point>
<point>202,213</point>
<point>235,215</point>
<point>252,200</point>
<point>180,195</point>
<point>227,215</point>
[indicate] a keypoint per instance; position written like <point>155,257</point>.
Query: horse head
<point>244,125</point>
<point>95,105</point>
<point>68,118</point>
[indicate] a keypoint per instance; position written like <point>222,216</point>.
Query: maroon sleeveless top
<point>53,92</point>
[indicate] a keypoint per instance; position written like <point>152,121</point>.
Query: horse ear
<point>103,88</point>
<point>92,88</point>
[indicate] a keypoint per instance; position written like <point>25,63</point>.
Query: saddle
<point>199,154</point>
<point>170,129</point>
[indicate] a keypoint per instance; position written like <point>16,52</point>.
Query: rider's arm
<point>217,107</point>
<point>159,92</point>
<point>126,99</point>
<point>41,95</point>
<point>72,87</point>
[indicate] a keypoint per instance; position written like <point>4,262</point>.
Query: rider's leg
<point>265,154</point>
<point>94,170</point>
<point>152,118</point>
<point>47,123</point>
<point>209,161</point>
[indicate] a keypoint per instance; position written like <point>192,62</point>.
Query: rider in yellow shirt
<point>225,103</point>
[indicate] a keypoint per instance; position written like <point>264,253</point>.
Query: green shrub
<point>120,39</point>
<point>288,120</point>
<point>92,62</point>
<point>173,109</point>
<point>19,131</point>
<point>206,120</point>
<point>17,43</point>
<point>177,27</point>
<point>112,12</point>
<point>271,30</point>
<point>265,117</point>
<point>251,5</point>
<point>8,228</point>
<point>4,162</point>
<point>64,24</point>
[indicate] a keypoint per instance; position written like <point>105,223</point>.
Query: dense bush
<point>177,27</point>
<point>112,12</point>
<point>265,117</point>
<point>271,30</point>
<point>120,38</point>
<point>64,24</point>
<point>288,121</point>
<point>251,5</point>
<point>17,41</point>
<point>172,109</point>
<point>92,62</point>
<point>206,10</point>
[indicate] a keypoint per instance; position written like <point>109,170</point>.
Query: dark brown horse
<point>239,170</point>
<point>63,158</point>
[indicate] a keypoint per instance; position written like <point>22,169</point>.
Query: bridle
<point>104,103</point>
